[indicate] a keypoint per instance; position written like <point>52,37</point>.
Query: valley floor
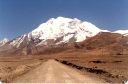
<point>55,72</point>
<point>64,67</point>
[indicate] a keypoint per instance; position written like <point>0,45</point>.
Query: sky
<point>18,17</point>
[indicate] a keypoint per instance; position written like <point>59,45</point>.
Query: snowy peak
<point>67,28</point>
<point>123,32</point>
<point>4,41</point>
<point>57,31</point>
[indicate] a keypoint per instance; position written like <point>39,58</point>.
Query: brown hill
<point>100,40</point>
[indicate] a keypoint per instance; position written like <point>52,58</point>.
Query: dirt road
<point>55,72</point>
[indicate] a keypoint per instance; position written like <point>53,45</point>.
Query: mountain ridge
<point>4,41</point>
<point>64,28</point>
<point>56,32</point>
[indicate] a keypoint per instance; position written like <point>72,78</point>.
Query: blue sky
<point>21,16</point>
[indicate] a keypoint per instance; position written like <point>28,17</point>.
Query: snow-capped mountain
<point>59,30</point>
<point>4,41</point>
<point>67,28</point>
<point>123,32</point>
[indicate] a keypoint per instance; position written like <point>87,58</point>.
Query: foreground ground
<point>28,70</point>
<point>108,68</point>
<point>55,72</point>
<point>111,68</point>
<point>11,67</point>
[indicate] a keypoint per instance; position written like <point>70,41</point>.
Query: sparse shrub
<point>119,54</point>
<point>98,61</point>
<point>64,62</point>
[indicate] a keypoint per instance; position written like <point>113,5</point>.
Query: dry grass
<point>11,69</point>
<point>116,65</point>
